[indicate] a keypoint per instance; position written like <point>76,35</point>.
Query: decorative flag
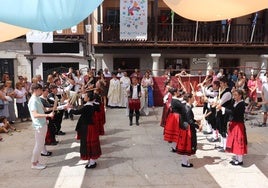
<point>74,29</point>
<point>39,37</point>
<point>229,21</point>
<point>133,19</point>
<point>172,25</point>
<point>254,22</point>
<point>88,28</point>
<point>59,31</point>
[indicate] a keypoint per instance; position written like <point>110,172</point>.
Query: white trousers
<point>40,136</point>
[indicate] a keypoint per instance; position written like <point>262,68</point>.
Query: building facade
<point>172,43</point>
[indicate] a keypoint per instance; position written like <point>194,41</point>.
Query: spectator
<point>9,90</point>
<point>21,102</point>
<point>4,101</point>
<point>107,73</point>
<point>5,127</point>
<point>264,95</point>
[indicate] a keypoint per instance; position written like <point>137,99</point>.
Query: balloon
<point>214,10</point>
<point>9,32</point>
<point>46,15</point>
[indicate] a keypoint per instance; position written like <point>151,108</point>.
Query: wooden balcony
<point>207,33</point>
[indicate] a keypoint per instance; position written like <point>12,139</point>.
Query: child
<point>5,127</point>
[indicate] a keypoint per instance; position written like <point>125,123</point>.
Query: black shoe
<point>212,139</point>
<point>189,165</point>
<point>49,153</point>
<point>232,162</point>
<point>61,133</point>
<point>52,143</point>
<point>221,150</point>
<point>91,166</point>
<point>137,123</point>
<point>218,147</point>
<point>236,163</point>
<point>130,124</point>
<point>173,150</point>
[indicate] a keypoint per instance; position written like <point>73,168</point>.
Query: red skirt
<point>51,131</point>
<point>90,143</point>
<point>237,138</point>
<point>99,119</point>
<point>171,130</point>
<point>184,143</point>
<point>134,104</point>
<point>166,111</point>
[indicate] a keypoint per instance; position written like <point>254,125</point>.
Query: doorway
<point>228,64</point>
<point>127,64</point>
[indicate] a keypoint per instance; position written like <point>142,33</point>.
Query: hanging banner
<point>133,19</point>
<point>39,37</point>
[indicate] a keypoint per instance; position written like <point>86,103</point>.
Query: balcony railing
<point>206,33</point>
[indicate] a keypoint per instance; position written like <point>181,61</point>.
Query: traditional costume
<point>52,128</point>
<point>166,108</point>
<point>237,138</point>
<point>88,134</point>
<point>175,117</point>
<point>134,103</point>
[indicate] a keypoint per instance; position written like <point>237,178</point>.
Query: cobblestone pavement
<point>133,156</point>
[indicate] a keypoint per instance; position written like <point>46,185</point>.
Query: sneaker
<point>39,166</point>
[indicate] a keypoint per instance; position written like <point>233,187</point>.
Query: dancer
<point>38,116</point>
<point>224,100</point>
<point>88,131</point>
<point>174,119</point>
<point>187,140</point>
<point>134,91</point>
<point>237,138</point>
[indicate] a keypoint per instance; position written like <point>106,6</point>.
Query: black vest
<point>131,90</point>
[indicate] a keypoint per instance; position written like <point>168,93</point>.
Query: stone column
<point>98,61</point>
<point>155,68</point>
<point>211,59</point>
<point>264,58</point>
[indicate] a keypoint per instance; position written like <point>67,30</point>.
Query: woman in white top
<point>21,102</point>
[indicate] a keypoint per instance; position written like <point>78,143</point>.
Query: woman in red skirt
<point>175,117</point>
<point>187,140</point>
<point>88,131</point>
<point>237,137</point>
<point>167,103</point>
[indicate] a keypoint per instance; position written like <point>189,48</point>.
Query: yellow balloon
<point>214,10</point>
<point>8,32</point>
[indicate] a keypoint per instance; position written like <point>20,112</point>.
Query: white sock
<point>239,158</point>
<point>184,159</point>
<point>224,143</point>
<point>173,145</point>
<point>214,134</point>
<point>91,162</point>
